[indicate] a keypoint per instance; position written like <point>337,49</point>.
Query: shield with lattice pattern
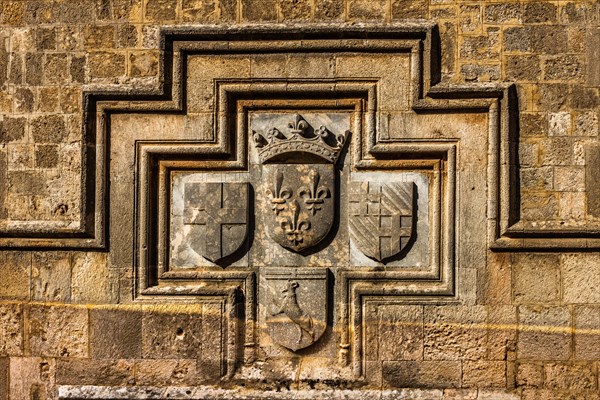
<point>381,217</point>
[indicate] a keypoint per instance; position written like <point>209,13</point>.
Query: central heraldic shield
<point>301,199</point>
<point>298,182</point>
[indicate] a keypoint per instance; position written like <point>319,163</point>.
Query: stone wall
<point>514,312</point>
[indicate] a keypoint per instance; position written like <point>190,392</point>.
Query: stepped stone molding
<point>421,39</point>
<point>259,138</point>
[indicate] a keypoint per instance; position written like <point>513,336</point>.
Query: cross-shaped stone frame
<point>374,146</point>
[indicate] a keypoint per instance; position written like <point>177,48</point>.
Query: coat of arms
<point>298,184</point>
<point>297,313</point>
<point>216,215</point>
<point>298,196</point>
<point>381,217</point>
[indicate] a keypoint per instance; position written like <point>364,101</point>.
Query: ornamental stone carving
<point>298,182</point>
<point>381,217</point>
<point>217,214</point>
<point>297,314</point>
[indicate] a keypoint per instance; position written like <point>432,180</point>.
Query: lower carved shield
<point>217,218</point>
<point>381,217</point>
<point>298,200</point>
<point>297,307</point>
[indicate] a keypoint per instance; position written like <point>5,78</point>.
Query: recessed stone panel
<point>310,194</point>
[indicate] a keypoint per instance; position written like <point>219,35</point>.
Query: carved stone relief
<point>381,217</point>
<point>296,315</point>
<point>301,198</point>
<point>301,195</point>
<point>306,201</point>
<point>218,214</point>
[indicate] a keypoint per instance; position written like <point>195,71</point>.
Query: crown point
<point>274,143</point>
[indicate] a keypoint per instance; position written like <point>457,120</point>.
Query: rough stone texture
<point>15,269</point>
<point>573,377</point>
<point>536,278</point>
<point>106,64</point>
<point>427,374</point>
<point>11,330</point>
<point>580,276</point>
<point>32,378</point>
<point>544,333</point>
<point>400,333</point>
<point>94,372</point>
<point>172,332</point>
<point>166,372</point>
<point>116,333</point>
<point>529,375</point>
<point>454,333</point>
<point>592,155</point>
<point>51,277</point>
<point>4,375</point>
<point>91,279</point>
<point>587,336</point>
<point>48,129</point>
<point>264,11</point>
<point>484,374</point>
<point>56,331</point>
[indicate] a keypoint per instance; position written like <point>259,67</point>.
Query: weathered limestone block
<point>58,331</point>
<point>32,378</point>
<point>581,278</point>
<point>173,331</point>
<point>536,278</point>
<point>104,64</point>
<point>11,330</point>
<point>92,279</point>
<point>160,10</point>
<point>530,375</point>
<point>179,372</point>
<point>455,333</point>
<point>4,376</point>
<point>587,332</point>
<point>485,374</point>
<point>143,64</point>
<point>400,333</point>
<point>367,10</point>
<point>15,268</point>
<point>502,332</point>
<point>116,333</point>
<point>261,12</point>
<point>51,277</point>
<point>425,374</point>
<point>544,333</point>
<point>295,10</point>
<point>570,377</point>
<point>75,371</point>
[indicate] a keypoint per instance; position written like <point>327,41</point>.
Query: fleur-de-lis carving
<point>279,195</point>
<point>273,134</point>
<point>294,226</point>
<point>314,195</point>
<point>298,125</point>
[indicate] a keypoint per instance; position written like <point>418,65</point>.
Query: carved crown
<point>301,138</point>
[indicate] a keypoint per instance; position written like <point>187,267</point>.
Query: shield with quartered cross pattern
<point>381,217</point>
<point>217,213</point>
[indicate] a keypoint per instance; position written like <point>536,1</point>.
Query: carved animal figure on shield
<point>291,308</point>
